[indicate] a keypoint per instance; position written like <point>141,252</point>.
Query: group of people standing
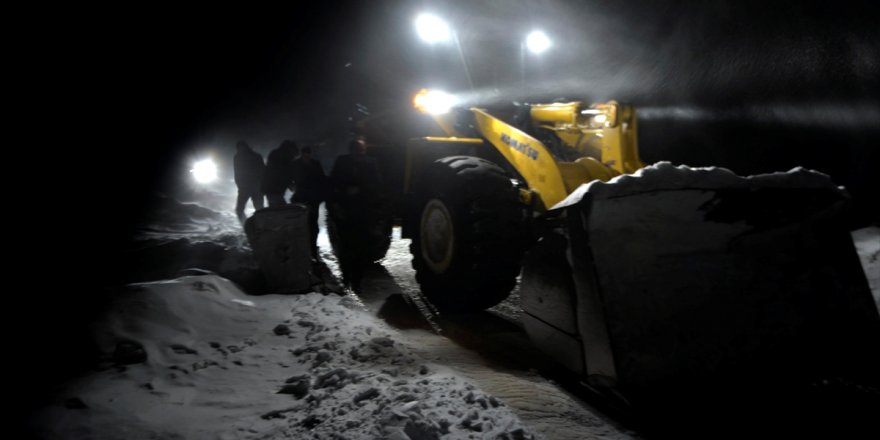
<point>289,167</point>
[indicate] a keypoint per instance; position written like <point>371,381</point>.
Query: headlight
<point>204,171</point>
<point>434,102</point>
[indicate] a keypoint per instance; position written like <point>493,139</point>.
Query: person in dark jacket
<point>358,212</point>
<point>311,187</point>
<point>248,168</point>
<point>356,172</point>
<point>279,172</point>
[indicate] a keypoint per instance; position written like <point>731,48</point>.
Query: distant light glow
<point>434,102</point>
<point>432,29</point>
<point>601,118</point>
<point>537,42</point>
<point>204,171</point>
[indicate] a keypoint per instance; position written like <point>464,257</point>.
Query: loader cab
<point>564,111</point>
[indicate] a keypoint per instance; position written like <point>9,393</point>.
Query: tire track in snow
<point>549,410</point>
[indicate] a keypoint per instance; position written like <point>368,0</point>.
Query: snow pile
<point>666,176</point>
<point>359,379</point>
<point>194,357</point>
<point>867,242</point>
<point>177,235</point>
<point>174,217</point>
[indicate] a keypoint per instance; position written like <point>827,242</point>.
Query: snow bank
<point>666,176</point>
<point>194,357</point>
<point>172,218</point>
<point>177,235</point>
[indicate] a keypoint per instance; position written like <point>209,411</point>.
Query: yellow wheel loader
<point>631,276</point>
<point>475,197</point>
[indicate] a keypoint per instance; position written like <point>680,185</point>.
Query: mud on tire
<point>469,246</point>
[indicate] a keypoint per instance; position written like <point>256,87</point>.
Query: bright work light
<point>204,171</point>
<point>537,42</point>
<point>434,102</point>
<point>432,29</point>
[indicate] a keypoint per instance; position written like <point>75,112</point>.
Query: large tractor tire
<point>469,246</point>
<point>360,230</point>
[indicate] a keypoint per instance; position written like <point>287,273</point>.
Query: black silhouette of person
<point>279,172</point>
<point>248,170</point>
<point>311,187</point>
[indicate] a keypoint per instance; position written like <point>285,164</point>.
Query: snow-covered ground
<point>193,356</point>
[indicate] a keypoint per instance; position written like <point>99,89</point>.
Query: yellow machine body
<point>529,156</point>
<point>603,135</point>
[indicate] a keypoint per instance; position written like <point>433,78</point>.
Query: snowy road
<point>490,348</point>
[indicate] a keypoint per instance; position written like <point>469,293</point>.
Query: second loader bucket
<point>690,276</point>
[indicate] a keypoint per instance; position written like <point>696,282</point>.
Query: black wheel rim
<point>437,236</point>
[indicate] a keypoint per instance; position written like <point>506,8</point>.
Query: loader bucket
<point>677,276</point>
